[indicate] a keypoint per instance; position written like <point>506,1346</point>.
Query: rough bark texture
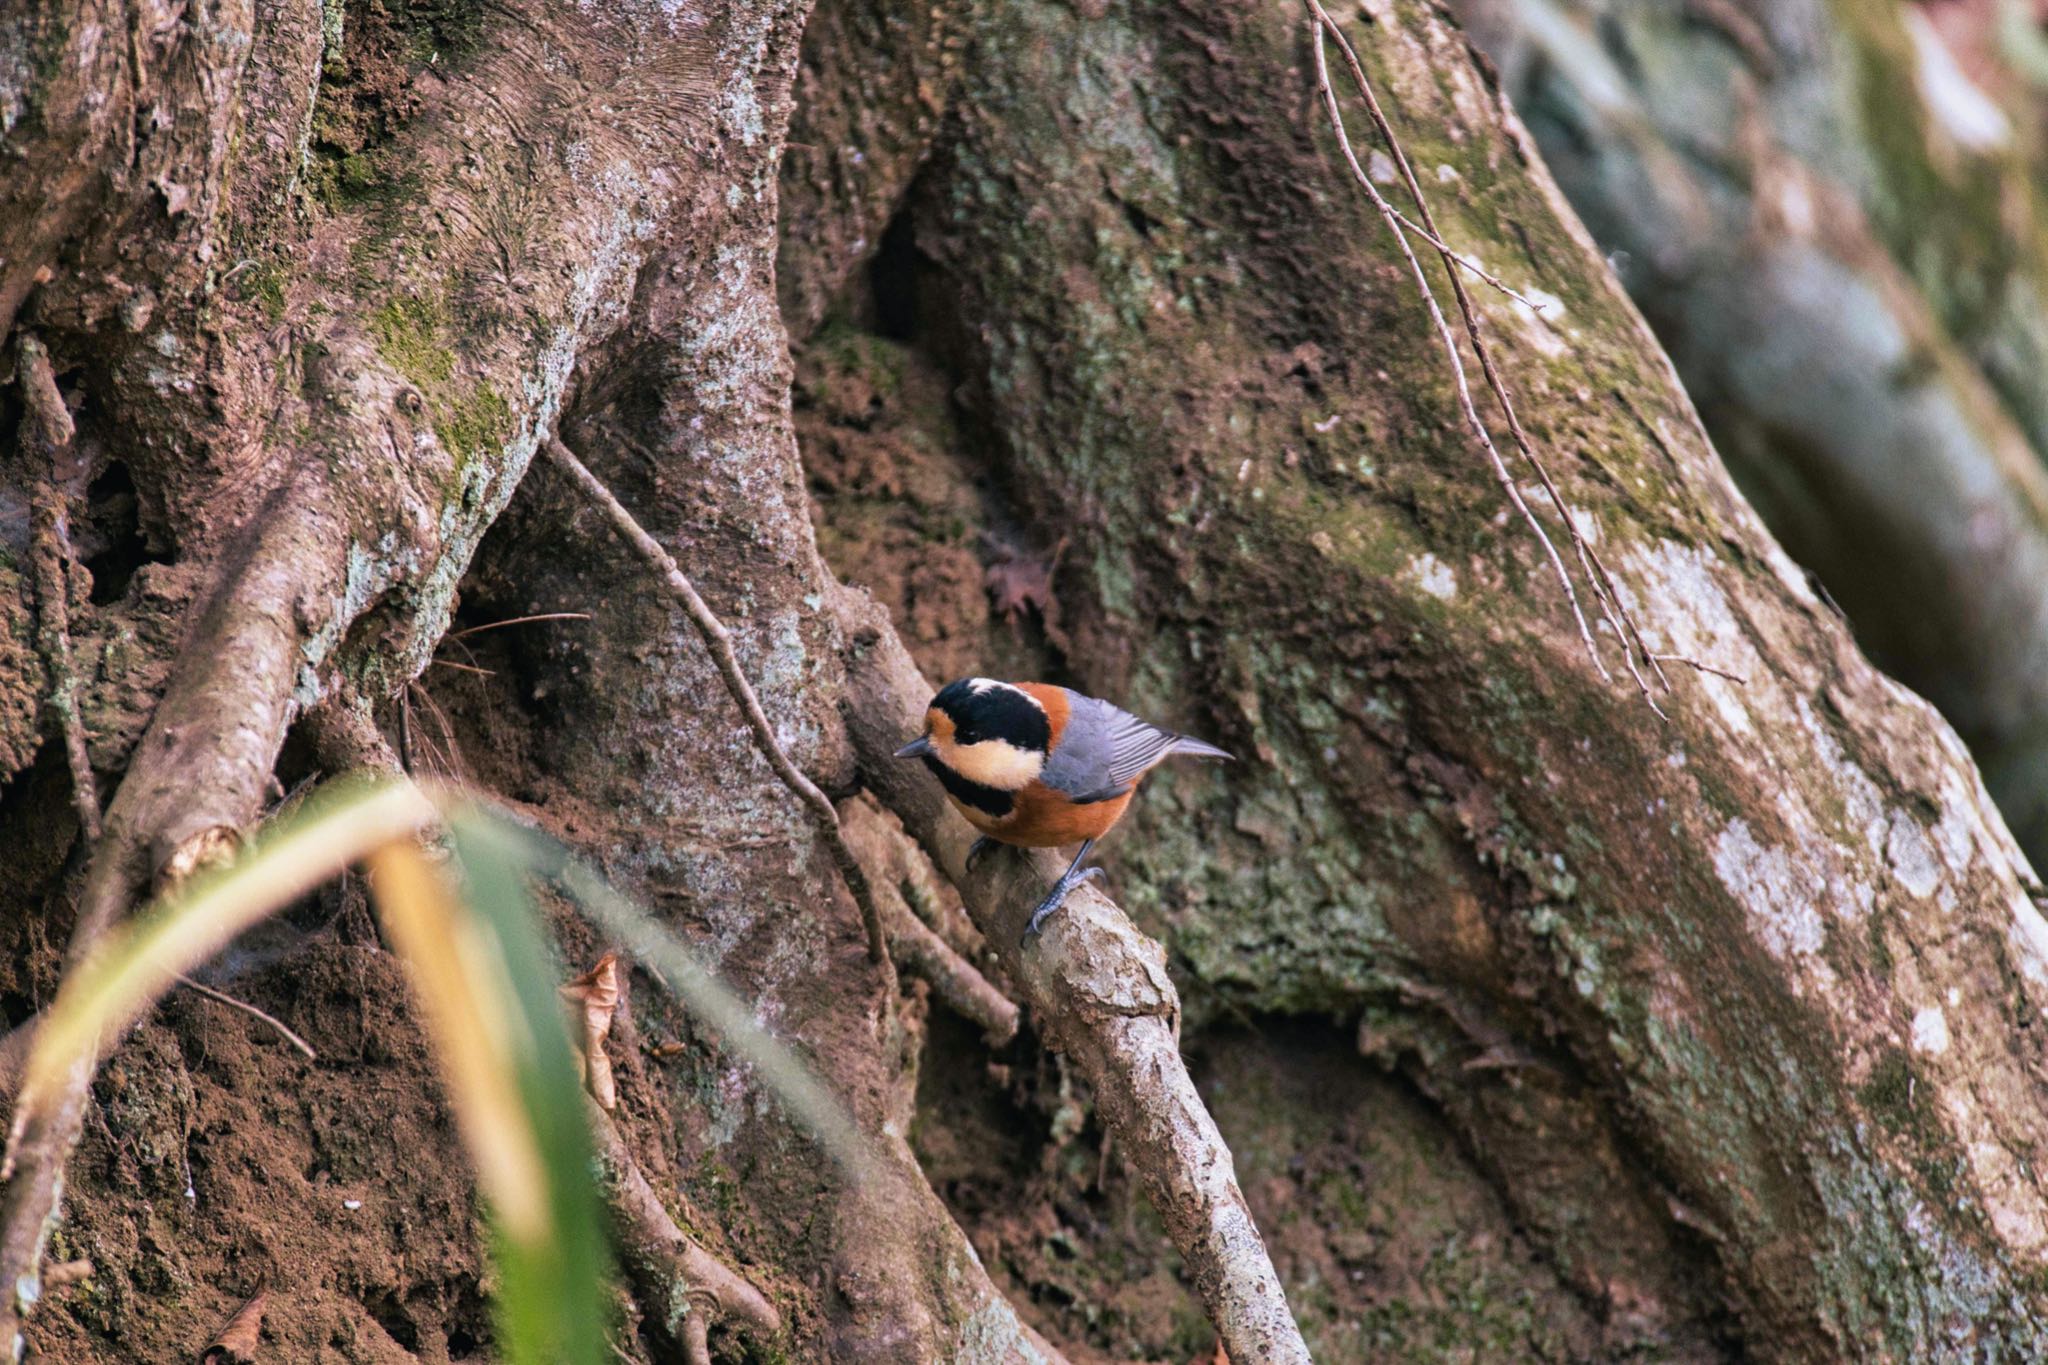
<point>1533,1025</point>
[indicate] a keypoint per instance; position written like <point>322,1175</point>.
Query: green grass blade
<point>141,960</point>
<point>554,1297</point>
<point>675,964</point>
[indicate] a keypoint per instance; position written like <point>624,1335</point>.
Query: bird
<point>1034,765</point>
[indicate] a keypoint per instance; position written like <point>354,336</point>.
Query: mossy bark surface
<point>1536,1023</point>
<point>1833,216</point>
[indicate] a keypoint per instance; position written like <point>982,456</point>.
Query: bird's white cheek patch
<point>995,763</point>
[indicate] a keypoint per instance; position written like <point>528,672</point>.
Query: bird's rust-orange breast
<point>1049,819</point>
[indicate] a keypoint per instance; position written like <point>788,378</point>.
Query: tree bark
<point>1727,1022</point>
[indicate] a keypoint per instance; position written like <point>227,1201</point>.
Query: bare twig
<point>719,642</point>
<point>1471,266</point>
<point>1605,595</point>
<point>1735,678</point>
<point>48,425</point>
<point>1100,989</point>
<point>463,668</point>
<point>519,621</point>
<point>222,997</point>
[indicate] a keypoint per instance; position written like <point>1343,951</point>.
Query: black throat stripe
<point>993,801</point>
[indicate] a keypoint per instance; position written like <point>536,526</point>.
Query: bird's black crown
<point>983,710</point>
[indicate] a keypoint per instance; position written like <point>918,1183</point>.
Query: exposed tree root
<point>47,425</point>
<point>676,1281</point>
<point>223,998</point>
<point>958,982</point>
<point>883,847</point>
<point>1100,990</point>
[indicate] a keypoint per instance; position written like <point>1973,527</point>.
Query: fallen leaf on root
<point>593,998</point>
<point>1019,581</point>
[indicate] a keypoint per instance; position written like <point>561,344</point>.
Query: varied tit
<point>1040,767</point>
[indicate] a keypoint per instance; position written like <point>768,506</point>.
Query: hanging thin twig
<point>1606,595</point>
<point>719,641</point>
<point>519,621</point>
<point>1471,266</point>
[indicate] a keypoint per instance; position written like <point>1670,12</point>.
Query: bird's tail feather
<point>1183,745</point>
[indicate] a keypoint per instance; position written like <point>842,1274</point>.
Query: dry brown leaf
<point>236,1344</point>
<point>1019,581</point>
<point>593,998</point>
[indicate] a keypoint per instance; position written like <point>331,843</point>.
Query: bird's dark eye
<point>966,735</point>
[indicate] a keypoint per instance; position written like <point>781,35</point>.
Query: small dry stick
<point>719,641</point>
<point>520,621</point>
<point>1473,267</point>
<point>1735,678</point>
<point>222,997</point>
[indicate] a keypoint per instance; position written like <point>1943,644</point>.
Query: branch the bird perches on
<point>1099,990</point>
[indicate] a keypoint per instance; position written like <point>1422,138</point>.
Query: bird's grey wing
<point>1103,750</point>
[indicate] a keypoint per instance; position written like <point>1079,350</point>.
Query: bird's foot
<point>976,851</point>
<point>1056,898</point>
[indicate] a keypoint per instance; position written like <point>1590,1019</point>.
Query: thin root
<point>49,425</point>
<point>222,997</point>
<point>719,641</point>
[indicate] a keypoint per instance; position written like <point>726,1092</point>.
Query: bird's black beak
<point>917,748</point>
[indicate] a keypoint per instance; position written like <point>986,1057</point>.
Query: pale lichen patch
<point>1930,1031</point>
<point>2027,936</point>
<point>1781,894</point>
<point>1433,576</point>
<point>1862,802</point>
<point>1689,615</point>
<point>1911,856</point>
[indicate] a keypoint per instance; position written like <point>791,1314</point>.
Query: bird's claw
<point>976,851</point>
<point>1054,899</point>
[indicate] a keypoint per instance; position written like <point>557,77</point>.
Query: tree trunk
<point>1534,1022</point>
